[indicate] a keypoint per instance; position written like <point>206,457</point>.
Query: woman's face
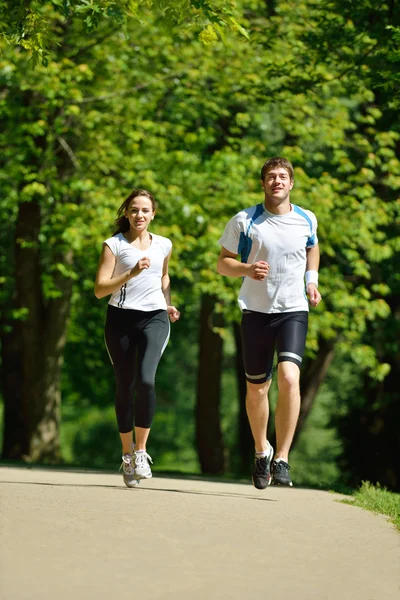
<point>139,213</point>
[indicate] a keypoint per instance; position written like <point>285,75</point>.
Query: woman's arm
<point>105,284</point>
<point>173,313</point>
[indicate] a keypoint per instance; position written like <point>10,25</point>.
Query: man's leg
<point>258,411</point>
<point>290,342</point>
<point>258,353</point>
<point>287,408</point>
<point>257,408</point>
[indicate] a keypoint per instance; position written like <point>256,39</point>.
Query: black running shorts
<point>263,333</point>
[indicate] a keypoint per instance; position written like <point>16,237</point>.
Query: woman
<point>133,268</point>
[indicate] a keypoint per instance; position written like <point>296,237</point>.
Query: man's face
<point>277,185</point>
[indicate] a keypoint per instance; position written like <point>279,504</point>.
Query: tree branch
<point>69,151</point>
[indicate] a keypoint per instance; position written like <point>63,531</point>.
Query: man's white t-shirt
<point>142,292</point>
<point>281,240</point>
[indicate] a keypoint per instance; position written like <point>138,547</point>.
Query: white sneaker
<point>128,471</point>
<point>142,467</point>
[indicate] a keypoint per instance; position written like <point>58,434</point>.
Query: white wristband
<point>312,277</point>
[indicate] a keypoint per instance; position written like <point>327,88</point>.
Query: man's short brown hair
<point>273,163</point>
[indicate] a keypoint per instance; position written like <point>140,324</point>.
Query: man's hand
<point>313,294</point>
<point>258,270</point>
<point>173,313</point>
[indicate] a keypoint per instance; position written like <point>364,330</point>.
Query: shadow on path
<point>138,489</point>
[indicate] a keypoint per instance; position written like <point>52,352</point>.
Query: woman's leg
<point>153,339</point>
<point>127,442</point>
<point>122,347</point>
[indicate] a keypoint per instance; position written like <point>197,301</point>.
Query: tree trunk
<point>31,390</point>
<point>370,429</point>
<point>208,421</point>
<point>271,8</point>
<point>373,452</point>
<point>245,438</point>
<point>11,385</point>
<point>311,379</point>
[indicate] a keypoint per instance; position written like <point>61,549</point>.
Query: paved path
<point>80,535</point>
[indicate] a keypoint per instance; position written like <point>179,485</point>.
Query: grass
<point>377,500</point>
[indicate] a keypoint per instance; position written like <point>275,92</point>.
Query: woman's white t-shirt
<point>142,292</point>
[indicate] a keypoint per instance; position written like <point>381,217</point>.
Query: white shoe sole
<point>132,484</point>
<point>146,475</point>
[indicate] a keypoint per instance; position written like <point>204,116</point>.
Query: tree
<point>66,158</point>
<point>48,183</point>
<point>29,24</point>
<point>366,44</point>
<point>208,422</point>
<point>194,124</point>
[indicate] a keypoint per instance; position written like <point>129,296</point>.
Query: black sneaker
<point>280,473</point>
<point>262,471</point>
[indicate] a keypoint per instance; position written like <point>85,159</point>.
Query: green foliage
<point>153,106</point>
<point>358,44</point>
<point>28,25</point>
<point>377,500</point>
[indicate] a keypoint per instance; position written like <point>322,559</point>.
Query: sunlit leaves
<point>194,122</point>
<point>29,24</point>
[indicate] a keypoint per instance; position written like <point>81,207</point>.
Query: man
<point>278,243</point>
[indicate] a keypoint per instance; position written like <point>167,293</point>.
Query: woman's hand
<point>141,265</point>
<point>173,313</point>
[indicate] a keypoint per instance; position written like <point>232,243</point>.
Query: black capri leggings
<point>135,341</point>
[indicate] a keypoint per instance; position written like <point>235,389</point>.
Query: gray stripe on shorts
<point>291,355</point>
<point>256,376</point>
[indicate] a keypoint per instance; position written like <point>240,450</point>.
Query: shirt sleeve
<point>313,239</point>
<point>113,244</point>
<point>167,246</point>
<point>230,239</point>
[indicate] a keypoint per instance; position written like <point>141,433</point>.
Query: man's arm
<point>312,266</point>
<point>229,266</point>
<point>313,258</point>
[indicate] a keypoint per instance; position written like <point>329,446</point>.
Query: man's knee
<point>288,375</point>
<point>257,392</point>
